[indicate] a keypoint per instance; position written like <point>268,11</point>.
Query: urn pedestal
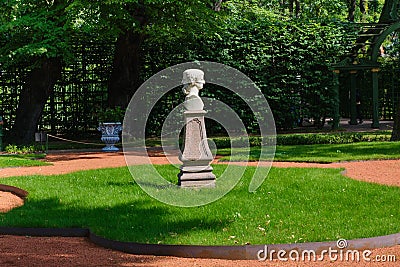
<point>196,156</point>
<point>110,135</point>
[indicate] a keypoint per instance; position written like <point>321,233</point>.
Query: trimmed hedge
<point>307,139</point>
<point>337,138</point>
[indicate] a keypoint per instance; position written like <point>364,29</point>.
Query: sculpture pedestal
<point>196,156</point>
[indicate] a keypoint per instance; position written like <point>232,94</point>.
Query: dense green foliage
<point>286,50</point>
<point>288,58</point>
<point>26,150</point>
<point>292,206</point>
<point>331,138</point>
<point>32,30</point>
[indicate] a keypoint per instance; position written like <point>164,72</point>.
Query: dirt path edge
<point>247,252</point>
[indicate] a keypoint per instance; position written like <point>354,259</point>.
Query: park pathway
<point>380,171</point>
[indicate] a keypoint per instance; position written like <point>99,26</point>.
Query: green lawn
<point>22,160</point>
<point>322,153</point>
<point>292,205</point>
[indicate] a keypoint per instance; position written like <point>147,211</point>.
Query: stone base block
<point>198,169</point>
<point>196,179</point>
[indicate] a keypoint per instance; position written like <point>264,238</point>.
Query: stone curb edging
<point>247,252</point>
<point>14,190</point>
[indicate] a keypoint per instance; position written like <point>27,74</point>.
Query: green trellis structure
<point>78,96</point>
<point>364,58</point>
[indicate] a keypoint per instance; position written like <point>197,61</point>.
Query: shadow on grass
<point>137,221</point>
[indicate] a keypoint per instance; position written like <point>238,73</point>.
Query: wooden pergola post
<point>375,98</point>
<point>353,99</point>
<point>336,111</point>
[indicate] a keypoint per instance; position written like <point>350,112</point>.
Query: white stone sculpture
<point>193,80</point>
<point>196,156</point>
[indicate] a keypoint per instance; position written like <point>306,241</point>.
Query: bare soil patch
<point>9,201</point>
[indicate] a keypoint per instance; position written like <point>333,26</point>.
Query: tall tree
<point>308,9</point>
<point>351,9</point>
<point>396,124</point>
<point>35,36</point>
<point>38,36</point>
<point>38,86</point>
<point>389,14</point>
<point>294,7</point>
<point>125,76</point>
<point>148,19</point>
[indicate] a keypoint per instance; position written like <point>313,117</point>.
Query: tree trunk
<point>396,126</point>
<point>294,8</point>
<point>363,7</point>
<point>125,76</point>
<point>298,8</point>
<point>218,5</point>
<point>351,10</point>
<point>38,86</point>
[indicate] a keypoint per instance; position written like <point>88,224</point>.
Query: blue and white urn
<point>110,135</point>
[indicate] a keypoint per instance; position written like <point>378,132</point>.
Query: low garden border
<point>14,190</point>
<point>246,252</point>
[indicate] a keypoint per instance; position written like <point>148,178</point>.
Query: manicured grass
<point>322,153</point>
<point>292,205</point>
<point>22,160</point>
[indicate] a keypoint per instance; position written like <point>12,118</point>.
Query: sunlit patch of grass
<point>22,160</point>
<point>321,153</point>
<point>292,205</point>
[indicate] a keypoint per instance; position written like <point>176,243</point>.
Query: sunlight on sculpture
<point>193,81</point>
<point>196,156</point>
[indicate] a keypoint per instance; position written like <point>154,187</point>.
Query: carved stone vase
<point>110,135</point>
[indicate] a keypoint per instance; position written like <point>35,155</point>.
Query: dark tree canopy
<point>286,46</point>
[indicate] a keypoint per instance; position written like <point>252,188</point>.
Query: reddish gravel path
<point>55,251</point>
<point>380,171</point>
<point>30,251</point>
